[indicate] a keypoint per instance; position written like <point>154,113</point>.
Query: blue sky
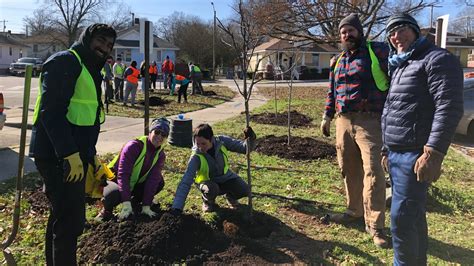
<point>15,10</point>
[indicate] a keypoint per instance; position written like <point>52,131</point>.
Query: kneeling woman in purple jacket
<point>138,173</point>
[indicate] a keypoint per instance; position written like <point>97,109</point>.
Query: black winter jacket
<point>425,101</point>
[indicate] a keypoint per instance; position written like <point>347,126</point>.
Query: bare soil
<point>281,119</point>
<point>299,148</point>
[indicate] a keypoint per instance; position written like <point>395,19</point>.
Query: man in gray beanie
<point>357,90</point>
<point>421,113</point>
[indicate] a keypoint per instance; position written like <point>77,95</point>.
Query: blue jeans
<point>408,211</point>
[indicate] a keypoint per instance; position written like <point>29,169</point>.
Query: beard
<point>352,43</point>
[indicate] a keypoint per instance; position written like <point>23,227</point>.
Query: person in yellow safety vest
<point>356,96</point>
<point>108,79</point>
<point>131,76</point>
<point>66,126</point>
<point>118,71</point>
<point>153,70</point>
<point>209,169</point>
<point>138,174</point>
<point>195,75</point>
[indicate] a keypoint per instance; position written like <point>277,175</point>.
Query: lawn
<point>298,194</point>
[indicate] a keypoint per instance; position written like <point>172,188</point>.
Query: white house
<point>127,46</point>
<point>10,50</point>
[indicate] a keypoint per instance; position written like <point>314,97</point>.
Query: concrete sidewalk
<point>116,131</point>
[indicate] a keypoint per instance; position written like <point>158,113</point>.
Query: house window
<point>315,60</point>
<point>54,48</point>
<point>11,51</point>
<point>35,48</point>
<point>21,53</point>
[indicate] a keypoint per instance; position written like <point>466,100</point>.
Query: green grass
<point>195,102</point>
<point>298,199</point>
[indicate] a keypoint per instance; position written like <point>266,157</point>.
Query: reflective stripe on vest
<point>83,105</point>
<point>133,78</point>
<point>203,172</point>
<point>380,78</point>
<point>137,166</point>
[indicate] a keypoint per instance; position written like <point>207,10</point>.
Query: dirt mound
<point>299,148</point>
<point>155,101</point>
<point>38,201</point>
<point>170,239</point>
<point>281,119</point>
<point>209,93</point>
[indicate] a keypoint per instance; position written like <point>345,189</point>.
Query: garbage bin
<point>181,132</point>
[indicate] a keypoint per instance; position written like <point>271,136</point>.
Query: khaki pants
<point>358,145</point>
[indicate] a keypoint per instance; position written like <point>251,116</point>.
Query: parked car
<point>19,67</point>
<point>466,125</point>
<point>3,117</point>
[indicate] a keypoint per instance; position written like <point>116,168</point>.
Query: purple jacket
<point>124,167</point>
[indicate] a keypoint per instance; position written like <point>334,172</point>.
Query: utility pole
<point>431,15</point>
<point>214,45</point>
<point>4,26</point>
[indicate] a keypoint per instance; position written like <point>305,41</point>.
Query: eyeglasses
<point>161,133</point>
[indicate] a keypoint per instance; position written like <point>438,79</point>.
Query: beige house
<point>281,55</point>
<point>10,50</point>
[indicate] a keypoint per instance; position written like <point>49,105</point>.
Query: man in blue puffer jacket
<point>421,112</point>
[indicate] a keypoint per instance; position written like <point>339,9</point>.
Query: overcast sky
<point>13,11</point>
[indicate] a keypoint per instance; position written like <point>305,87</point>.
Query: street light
<point>214,45</point>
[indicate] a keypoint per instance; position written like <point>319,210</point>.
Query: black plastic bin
<point>181,132</point>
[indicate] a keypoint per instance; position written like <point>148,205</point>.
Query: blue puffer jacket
<point>425,101</point>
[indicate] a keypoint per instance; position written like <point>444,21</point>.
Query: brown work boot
<point>233,203</point>
<point>208,206</point>
<point>343,218</point>
<point>378,236</point>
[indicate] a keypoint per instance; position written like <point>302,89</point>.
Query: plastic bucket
<point>181,132</point>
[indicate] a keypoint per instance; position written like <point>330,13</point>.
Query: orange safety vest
<point>179,77</point>
<point>153,70</point>
<point>167,66</point>
<point>133,78</point>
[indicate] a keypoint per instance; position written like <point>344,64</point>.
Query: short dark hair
<point>203,130</point>
<point>134,64</point>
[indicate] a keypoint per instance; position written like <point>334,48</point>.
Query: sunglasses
<point>161,133</point>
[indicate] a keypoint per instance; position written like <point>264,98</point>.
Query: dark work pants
<point>408,210</point>
<point>112,196</point>
<point>153,81</point>
<point>197,86</point>
<point>235,188</point>
<point>109,91</point>
<point>67,214</point>
<point>183,90</point>
<point>118,93</point>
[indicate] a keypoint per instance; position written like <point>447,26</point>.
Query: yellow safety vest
<point>203,172</point>
<point>135,178</point>
<point>83,105</point>
<point>380,78</point>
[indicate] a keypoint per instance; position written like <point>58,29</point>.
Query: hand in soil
<point>147,211</point>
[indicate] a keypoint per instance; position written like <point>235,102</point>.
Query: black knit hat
<point>399,20</point>
<point>353,20</point>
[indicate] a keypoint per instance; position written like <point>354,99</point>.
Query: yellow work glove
<point>126,210</point>
<point>147,211</point>
<point>326,125</point>
<point>73,168</point>
<point>428,166</point>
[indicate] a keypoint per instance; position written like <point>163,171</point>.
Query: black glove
<point>176,212</point>
<point>249,133</point>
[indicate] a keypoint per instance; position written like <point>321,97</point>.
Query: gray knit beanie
<point>353,20</point>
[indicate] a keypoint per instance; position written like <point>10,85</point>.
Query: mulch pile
<point>177,239</point>
<point>281,119</point>
<point>38,201</point>
<point>299,148</point>
<point>155,101</point>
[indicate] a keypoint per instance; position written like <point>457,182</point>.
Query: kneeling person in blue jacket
<point>209,169</point>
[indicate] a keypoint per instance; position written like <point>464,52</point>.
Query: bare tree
<point>244,38</point>
<point>39,22</point>
<point>115,14</point>
<point>318,20</point>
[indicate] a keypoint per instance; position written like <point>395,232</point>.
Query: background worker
<point>131,76</point>
<point>108,79</point>
<point>208,168</point>
<point>420,116</point>
<point>183,88</point>
<point>195,75</point>
<point>66,127</point>
<point>118,71</point>
<point>355,97</point>
<point>138,170</point>
<point>168,69</point>
<point>153,71</point>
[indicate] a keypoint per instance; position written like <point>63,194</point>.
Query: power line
<point>4,24</point>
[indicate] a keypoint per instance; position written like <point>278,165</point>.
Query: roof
<point>430,35</point>
<point>275,44</point>
<point>157,41</point>
<point>7,39</point>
